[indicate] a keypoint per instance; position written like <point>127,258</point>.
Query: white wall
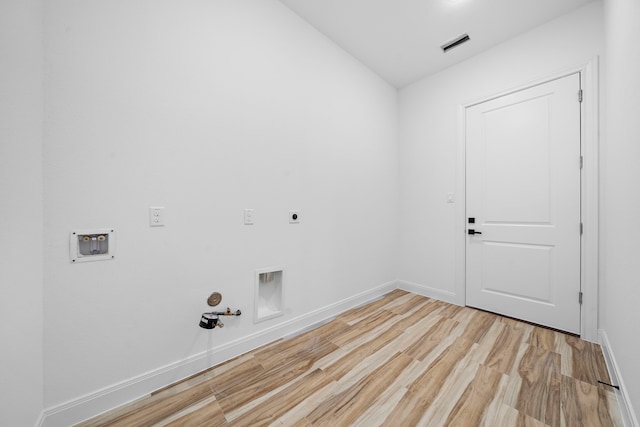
<point>206,108</point>
<point>620,207</point>
<point>429,121</point>
<point>21,75</point>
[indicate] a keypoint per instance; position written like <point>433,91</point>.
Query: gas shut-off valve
<point>212,320</point>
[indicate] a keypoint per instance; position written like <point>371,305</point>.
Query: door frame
<point>589,130</point>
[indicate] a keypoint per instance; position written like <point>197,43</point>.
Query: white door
<point>523,195</point>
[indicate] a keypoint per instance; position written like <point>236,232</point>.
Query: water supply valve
<point>212,320</point>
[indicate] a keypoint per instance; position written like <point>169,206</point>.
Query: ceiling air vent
<point>455,42</point>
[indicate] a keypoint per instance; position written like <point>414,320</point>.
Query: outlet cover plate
<point>156,216</point>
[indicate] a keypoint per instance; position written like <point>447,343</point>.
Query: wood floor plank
<point>486,344</point>
<point>476,399</point>
<point>505,349</point>
<point>366,366</point>
<point>209,415</point>
<point>491,416</point>
<point>425,311</point>
<point>346,363</point>
<point>587,361</point>
<point>228,381</point>
<point>156,410</point>
<point>584,404</point>
<point>402,300</point>
<point>413,303</point>
<point>403,360</point>
<point>362,327</point>
<point>356,314</point>
<point>451,310</point>
<point>237,395</point>
<point>450,392</point>
<point>543,338</point>
<point>478,325</point>
<point>347,406</point>
<point>302,423</point>
<point>566,355</point>
<point>539,395</point>
<point>207,374</point>
<point>325,331</point>
<point>526,328</point>
<point>298,413</point>
<point>431,338</point>
<point>277,405</point>
<point>388,400</point>
<point>423,391</point>
<point>510,417</point>
<point>292,351</point>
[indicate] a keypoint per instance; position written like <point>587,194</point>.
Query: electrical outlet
<point>156,216</point>
<point>294,217</point>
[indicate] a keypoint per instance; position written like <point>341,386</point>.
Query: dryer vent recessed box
<point>92,245</point>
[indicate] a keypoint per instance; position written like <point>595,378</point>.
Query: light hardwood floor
<point>404,360</point>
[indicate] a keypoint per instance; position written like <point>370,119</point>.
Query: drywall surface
<point>620,205</point>
<point>429,123</point>
<point>206,109</point>
<point>21,92</point>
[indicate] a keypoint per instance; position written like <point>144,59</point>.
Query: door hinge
<point>580,297</point>
<point>581,162</point>
<point>580,95</point>
<point>581,229</point>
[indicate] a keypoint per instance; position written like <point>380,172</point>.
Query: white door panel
<point>517,270</point>
<point>523,190</point>
<point>517,145</point>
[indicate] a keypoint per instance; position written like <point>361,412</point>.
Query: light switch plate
<point>248,216</point>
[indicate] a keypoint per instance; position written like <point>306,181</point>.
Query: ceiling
<point>400,39</point>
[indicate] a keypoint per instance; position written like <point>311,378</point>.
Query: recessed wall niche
<point>269,294</point>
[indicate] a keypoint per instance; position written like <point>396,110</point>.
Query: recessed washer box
<point>92,245</point>
<point>269,301</point>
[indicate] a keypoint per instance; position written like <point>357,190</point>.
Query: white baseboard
<point>88,406</point>
<point>628,414</point>
<point>430,292</point>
